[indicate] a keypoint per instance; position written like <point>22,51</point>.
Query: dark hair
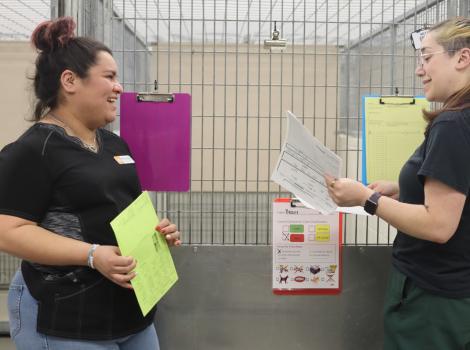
<point>58,50</point>
<point>453,35</point>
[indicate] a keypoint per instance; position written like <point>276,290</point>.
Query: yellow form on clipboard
<point>393,127</point>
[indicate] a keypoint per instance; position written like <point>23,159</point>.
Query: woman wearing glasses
<point>428,300</point>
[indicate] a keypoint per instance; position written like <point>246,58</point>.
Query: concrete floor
<point>6,344</point>
<point>5,341</point>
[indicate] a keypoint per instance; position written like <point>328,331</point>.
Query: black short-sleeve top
<point>442,269</point>
<point>48,177</point>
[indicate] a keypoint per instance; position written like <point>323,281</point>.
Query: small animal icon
<point>315,269</point>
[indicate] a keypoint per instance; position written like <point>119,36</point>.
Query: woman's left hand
<point>347,192</point>
<point>170,231</point>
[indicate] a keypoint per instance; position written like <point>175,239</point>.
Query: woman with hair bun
<point>60,187</point>
<point>427,305</point>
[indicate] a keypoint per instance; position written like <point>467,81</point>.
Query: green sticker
<point>296,228</point>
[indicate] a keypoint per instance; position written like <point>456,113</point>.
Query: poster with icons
<point>306,249</point>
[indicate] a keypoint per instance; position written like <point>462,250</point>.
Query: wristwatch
<point>371,204</point>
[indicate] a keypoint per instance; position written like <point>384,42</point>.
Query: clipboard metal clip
<point>383,101</point>
<point>154,97</point>
<point>412,102</point>
<point>295,203</point>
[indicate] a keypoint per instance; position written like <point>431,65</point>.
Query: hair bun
<point>50,35</point>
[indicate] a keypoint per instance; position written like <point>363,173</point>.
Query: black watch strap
<point>371,204</point>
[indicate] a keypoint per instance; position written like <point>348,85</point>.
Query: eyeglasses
<point>423,58</point>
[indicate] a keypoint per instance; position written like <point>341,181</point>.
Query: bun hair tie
<point>51,35</point>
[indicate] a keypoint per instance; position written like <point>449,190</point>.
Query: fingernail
<point>167,236</point>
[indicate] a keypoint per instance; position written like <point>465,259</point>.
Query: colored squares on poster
<point>322,232</point>
<point>296,228</point>
<point>297,237</point>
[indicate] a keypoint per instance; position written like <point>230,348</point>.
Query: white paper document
<point>301,167</point>
<point>353,210</point>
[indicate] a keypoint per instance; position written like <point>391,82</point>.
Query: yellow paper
<point>135,232</point>
<point>393,131</point>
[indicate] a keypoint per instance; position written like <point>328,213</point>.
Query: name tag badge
<point>124,159</point>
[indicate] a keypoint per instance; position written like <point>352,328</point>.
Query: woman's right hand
<point>115,267</point>
<point>385,188</point>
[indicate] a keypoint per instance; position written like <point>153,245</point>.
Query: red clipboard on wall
<point>307,245</point>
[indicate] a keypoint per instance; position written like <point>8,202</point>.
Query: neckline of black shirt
<point>76,140</point>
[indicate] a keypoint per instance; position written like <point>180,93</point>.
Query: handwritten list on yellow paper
<point>135,232</point>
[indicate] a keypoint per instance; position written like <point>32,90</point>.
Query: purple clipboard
<point>157,128</point>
